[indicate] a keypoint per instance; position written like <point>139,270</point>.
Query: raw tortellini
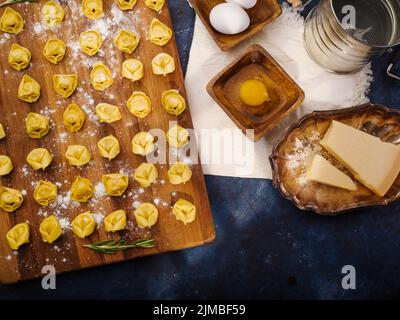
<point>132,69</point>
<point>139,104</point>
<point>101,77</point>
<point>2,132</point>
<point>81,189</point>
<point>108,147</point>
<point>19,57</point>
<point>143,143</point>
<point>73,117</point>
<point>115,184</point>
<point>45,193</point>
<point>10,199</point>
<point>37,126</point>
<point>65,84</point>
<point>159,33</point>
<point>163,64</point>
<point>39,158</point>
<point>11,21</point>
<point>155,5</point>
<point>83,225</point>
<point>177,137</point>
<point>146,215</point>
<point>50,229</point>
<point>93,9</point>
<point>126,41</point>
<point>6,165</point>
<point>173,102</point>
<point>90,42</point>
<point>77,155</point>
<point>115,221</point>
<point>126,4</point>
<point>179,173</point>
<point>53,13</point>
<point>29,89</point>
<point>108,113</point>
<point>54,50</point>
<point>18,235</point>
<point>145,174</point>
<point>184,211</point>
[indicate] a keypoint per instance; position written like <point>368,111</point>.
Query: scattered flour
<point>136,204</point>
<point>4,38</point>
<point>90,113</point>
<point>47,111</point>
<point>62,136</point>
<point>25,170</point>
<point>303,151</point>
<point>38,28</point>
<point>65,223</point>
<point>98,218</point>
<point>100,190</point>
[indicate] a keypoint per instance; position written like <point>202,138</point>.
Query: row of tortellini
<point>82,189</point>
<point>139,104</point>
<point>93,9</point>
<point>53,13</point>
<point>12,22</point>
<point>146,216</point>
<point>77,155</point>
<point>100,77</point>
<point>90,42</point>
<point>127,41</point>
<point>155,5</point>
<point>162,64</point>
<point>64,84</point>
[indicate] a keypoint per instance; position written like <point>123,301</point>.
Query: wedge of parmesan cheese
<point>322,171</point>
<point>376,164</point>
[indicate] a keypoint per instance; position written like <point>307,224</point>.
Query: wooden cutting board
<point>68,253</point>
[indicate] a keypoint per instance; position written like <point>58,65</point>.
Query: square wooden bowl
<point>263,13</point>
<point>256,63</point>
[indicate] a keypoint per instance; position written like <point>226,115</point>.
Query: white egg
<point>229,18</point>
<point>245,4</point>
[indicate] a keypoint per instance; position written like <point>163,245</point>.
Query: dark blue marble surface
<point>264,248</point>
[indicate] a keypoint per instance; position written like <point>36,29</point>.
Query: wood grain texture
<point>67,253</point>
<point>263,13</point>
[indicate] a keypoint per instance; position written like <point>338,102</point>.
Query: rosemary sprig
<point>112,246</point>
<point>8,2</point>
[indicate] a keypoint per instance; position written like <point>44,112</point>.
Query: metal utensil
<point>344,35</point>
<point>393,69</point>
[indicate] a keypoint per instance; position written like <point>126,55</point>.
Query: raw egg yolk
<point>253,92</point>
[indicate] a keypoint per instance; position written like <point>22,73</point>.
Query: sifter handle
<point>393,69</point>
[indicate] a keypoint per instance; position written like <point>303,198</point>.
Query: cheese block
<point>376,164</point>
<point>322,171</point>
